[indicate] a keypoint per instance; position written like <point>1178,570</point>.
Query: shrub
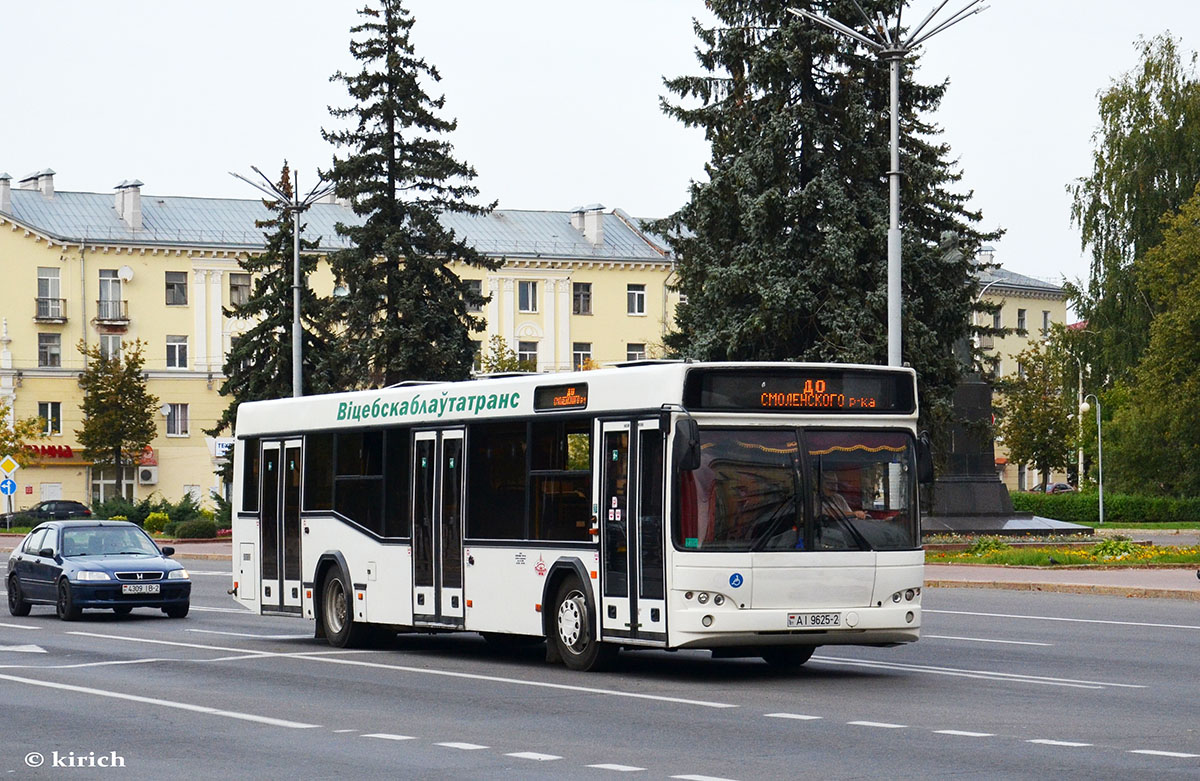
<point>155,522</point>
<point>197,529</point>
<point>986,545</point>
<point>1084,507</point>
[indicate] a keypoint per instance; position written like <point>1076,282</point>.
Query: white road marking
<point>1154,753</point>
<point>351,730</point>
<point>619,768</point>
<point>1056,618</point>
<point>162,703</point>
<point>24,649</point>
<point>1068,743</point>
<point>702,778</point>
<point>256,637</point>
<point>243,610</point>
<point>880,724</point>
<point>19,626</point>
<point>798,716</point>
<point>984,674</point>
<point>533,755</point>
<point>964,733</point>
<point>383,735</point>
<point>209,572</point>
<point>981,640</point>
<point>462,746</point>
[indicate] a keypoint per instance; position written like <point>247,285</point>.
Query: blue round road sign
<point>8,486</point>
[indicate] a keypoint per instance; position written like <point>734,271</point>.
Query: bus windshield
<point>789,490</point>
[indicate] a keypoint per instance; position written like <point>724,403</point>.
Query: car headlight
<point>177,574</point>
<point>92,575</point>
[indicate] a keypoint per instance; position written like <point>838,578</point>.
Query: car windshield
<point>852,490</point>
<point>106,541</point>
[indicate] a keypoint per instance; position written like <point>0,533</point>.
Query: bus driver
<point>833,503</point>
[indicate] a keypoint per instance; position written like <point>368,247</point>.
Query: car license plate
<point>139,588</point>
<point>813,620</point>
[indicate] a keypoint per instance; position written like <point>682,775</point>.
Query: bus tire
<point>788,657</point>
<point>337,613</point>
<point>574,630</point>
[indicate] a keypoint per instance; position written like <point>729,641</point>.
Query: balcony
<point>112,312</point>
<point>50,310</point>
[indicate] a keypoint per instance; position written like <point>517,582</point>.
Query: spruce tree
<point>407,312</point>
<point>783,250</point>
<point>259,362</point>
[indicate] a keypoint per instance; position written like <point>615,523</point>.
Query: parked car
<point>1052,488</point>
<point>50,510</point>
<point>111,565</point>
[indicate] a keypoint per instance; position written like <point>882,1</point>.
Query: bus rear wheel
<point>337,613</point>
<point>788,657</point>
<point>574,631</point>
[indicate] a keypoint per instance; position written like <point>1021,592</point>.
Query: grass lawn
<point>1108,553</point>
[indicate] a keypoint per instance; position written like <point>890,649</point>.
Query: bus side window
<point>248,448</point>
<point>561,480</point>
<point>497,474</point>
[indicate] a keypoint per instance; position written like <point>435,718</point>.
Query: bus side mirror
<point>924,459</point>
<point>687,445</point>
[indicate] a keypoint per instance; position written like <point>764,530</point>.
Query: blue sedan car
<point>109,565</point>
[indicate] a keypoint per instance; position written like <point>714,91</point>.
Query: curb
<point>1131,592</point>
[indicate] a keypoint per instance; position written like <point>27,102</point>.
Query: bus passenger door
<point>631,547</point>
<point>279,527</point>
<point>437,490</point>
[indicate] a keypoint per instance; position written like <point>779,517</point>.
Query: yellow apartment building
<point>107,268</point>
<point>1029,306</point>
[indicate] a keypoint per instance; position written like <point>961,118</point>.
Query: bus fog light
<point>896,597</point>
<point>707,620</point>
<point>718,600</point>
<point>909,595</point>
<point>909,616</point>
<point>687,595</point>
<point>702,598</point>
<point>852,619</point>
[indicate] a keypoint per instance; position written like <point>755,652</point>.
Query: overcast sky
<point>557,100</point>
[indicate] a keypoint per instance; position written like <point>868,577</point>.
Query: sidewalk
<point>1171,583</point>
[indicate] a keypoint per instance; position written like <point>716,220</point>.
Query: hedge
<point>198,529</point>
<point>1084,507</point>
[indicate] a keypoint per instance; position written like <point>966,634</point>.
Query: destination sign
<point>550,397</point>
<point>803,389</point>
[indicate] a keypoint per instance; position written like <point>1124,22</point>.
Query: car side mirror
<point>924,459</point>
<point>687,445</point>
<point>46,553</point>
<point>168,550</point>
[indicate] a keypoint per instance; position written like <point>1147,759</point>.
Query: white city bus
<point>754,509</point>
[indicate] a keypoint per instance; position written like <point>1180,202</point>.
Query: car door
<point>33,569</point>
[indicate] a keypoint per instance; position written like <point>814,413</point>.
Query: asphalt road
<point>1003,685</point>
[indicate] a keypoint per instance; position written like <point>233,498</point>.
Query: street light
<point>1083,408</point>
<point>295,205</point>
<point>887,43</point>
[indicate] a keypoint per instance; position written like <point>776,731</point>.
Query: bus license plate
<point>813,620</point>
<point>139,588</point>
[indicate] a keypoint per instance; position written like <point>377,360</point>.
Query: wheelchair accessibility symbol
<point>736,580</point>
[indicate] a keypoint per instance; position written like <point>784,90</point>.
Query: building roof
<point>228,223</point>
<point>1001,278</point>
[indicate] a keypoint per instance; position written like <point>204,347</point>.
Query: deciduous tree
<point>16,434</point>
<point>118,409</point>
<point>1037,416</point>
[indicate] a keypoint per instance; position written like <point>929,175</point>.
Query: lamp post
<point>1083,408</point>
<point>295,205</point>
<point>889,45</point>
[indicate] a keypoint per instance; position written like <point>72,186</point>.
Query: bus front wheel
<point>788,657</point>
<point>337,613</point>
<point>574,631</point>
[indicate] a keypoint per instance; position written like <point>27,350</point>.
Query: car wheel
<point>177,611</point>
<point>337,615</point>
<point>122,610</point>
<point>787,657</point>
<point>16,600</point>
<point>65,607</point>
<point>574,632</point>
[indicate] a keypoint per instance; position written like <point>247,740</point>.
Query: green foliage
<point>1037,417</point>
<point>1106,553</point>
<point>185,509</point>
<point>502,358</point>
<point>1146,163</point>
<point>259,362</point>
<point>985,545</point>
<point>119,507</point>
<point>199,529</point>
<point>1119,508</point>
<point>1115,549</point>
<point>407,313</point>
<point>14,437</point>
<point>155,522</point>
<point>118,410</point>
<point>782,246</point>
<point>223,517</point>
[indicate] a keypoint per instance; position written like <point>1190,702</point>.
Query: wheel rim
<point>14,593</point>
<point>64,599</point>
<point>572,622</point>
<point>335,606</point>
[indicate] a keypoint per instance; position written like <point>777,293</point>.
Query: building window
<point>108,306</point>
<point>49,292</point>
<point>527,355</point>
<point>581,298</point>
<point>477,355</point>
<point>239,289</point>
<point>635,296</point>
<point>1045,322</point>
<point>581,352</point>
<point>51,412</point>
<point>177,420</point>
<point>110,346</point>
<point>105,484</point>
<point>474,287</point>
<point>176,288</point>
<point>49,350</point>
<point>527,296</point>
<point>997,321</point>
<point>177,352</point>
<point>635,351</point>
<point>1020,319</point>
